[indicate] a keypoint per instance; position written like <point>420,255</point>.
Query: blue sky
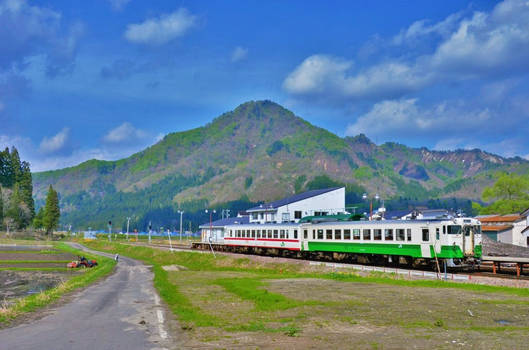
<point>106,78</point>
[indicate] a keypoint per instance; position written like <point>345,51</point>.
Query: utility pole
<point>109,231</point>
<point>150,228</point>
<point>181,212</point>
<point>128,221</point>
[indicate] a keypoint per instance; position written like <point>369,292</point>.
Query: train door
<point>468,240</point>
<point>425,242</point>
<point>437,240</point>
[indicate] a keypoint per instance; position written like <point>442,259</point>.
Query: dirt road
<point>121,312</point>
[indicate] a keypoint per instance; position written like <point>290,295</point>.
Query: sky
<point>106,78</point>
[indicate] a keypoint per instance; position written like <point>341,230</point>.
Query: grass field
<point>231,302</point>
<point>33,278</point>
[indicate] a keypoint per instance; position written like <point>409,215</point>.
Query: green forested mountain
<point>258,152</point>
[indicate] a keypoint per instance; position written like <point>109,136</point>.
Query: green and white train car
<point>458,238</point>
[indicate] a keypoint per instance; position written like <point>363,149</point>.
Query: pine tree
<point>7,178</point>
<point>15,164</point>
<point>1,208</point>
<point>14,209</point>
<point>52,212</point>
<point>26,191</point>
<point>38,221</point>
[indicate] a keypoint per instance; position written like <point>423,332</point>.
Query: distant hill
<point>258,152</point>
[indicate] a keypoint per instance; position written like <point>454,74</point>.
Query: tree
<point>14,211</point>
<point>1,208</point>
<point>38,221</point>
<point>509,194</point>
<point>52,212</point>
<point>25,183</point>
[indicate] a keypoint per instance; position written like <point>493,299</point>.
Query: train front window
<point>466,229</point>
<point>454,229</point>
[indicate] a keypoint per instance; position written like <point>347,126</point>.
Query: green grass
<point>36,301</point>
<point>231,294</point>
<point>34,269</point>
<point>34,261</point>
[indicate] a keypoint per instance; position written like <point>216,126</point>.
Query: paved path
<point>121,312</point>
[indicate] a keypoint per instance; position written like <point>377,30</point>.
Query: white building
<point>327,201</point>
<point>511,228</point>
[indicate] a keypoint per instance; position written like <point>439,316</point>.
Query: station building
<point>289,210</point>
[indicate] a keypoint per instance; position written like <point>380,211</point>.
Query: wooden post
<point>494,267</point>
<point>518,268</point>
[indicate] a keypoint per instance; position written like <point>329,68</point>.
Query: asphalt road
<point>121,312</point>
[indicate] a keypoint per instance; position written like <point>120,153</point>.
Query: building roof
<point>495,228</point>
<point>292,199</point>
<point>228,221</point>
<point>500,218</point>
<point>396,214</point>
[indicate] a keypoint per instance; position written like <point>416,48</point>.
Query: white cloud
<point>118,5</point>
<point>28,31</point>
<point>322,74</point>
<point>398,118</point>
<point>485,45</point>
<point>157,31</point>
<point>55,143</point>
<point>125,133</point>
<point>238,54</point>
<point>421,28</point>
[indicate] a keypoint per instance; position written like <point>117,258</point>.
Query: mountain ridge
<point>262,151</point>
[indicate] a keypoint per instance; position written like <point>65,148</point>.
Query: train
<point>456,241</point>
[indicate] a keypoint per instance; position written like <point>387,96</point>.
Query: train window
<point>269,233</point>
<point>454,229</point>
<point>281,233</point>
<point>367,234</point>
<point>313,234</point>
<point>444,230</point>
<point>400,234</point>
<point>356,234</point>
<point>437,233</point>
<point>377,234</point>
<point>347,234</point>
<point>320,234</point>
<point>297,214</point>
<point>408,234</point>
<point>253,233</point>
<point>258,233</point>
<point>295,234</point>
<point>328,234</point>
<point>337,234</point>
<point>276,235</point>
<point>305,234</point>
<point>388,234</point>
<point>425,235</point>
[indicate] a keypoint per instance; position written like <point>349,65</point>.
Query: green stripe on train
<point>413,250</point>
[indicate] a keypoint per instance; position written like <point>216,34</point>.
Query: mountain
<point>258,152</point>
